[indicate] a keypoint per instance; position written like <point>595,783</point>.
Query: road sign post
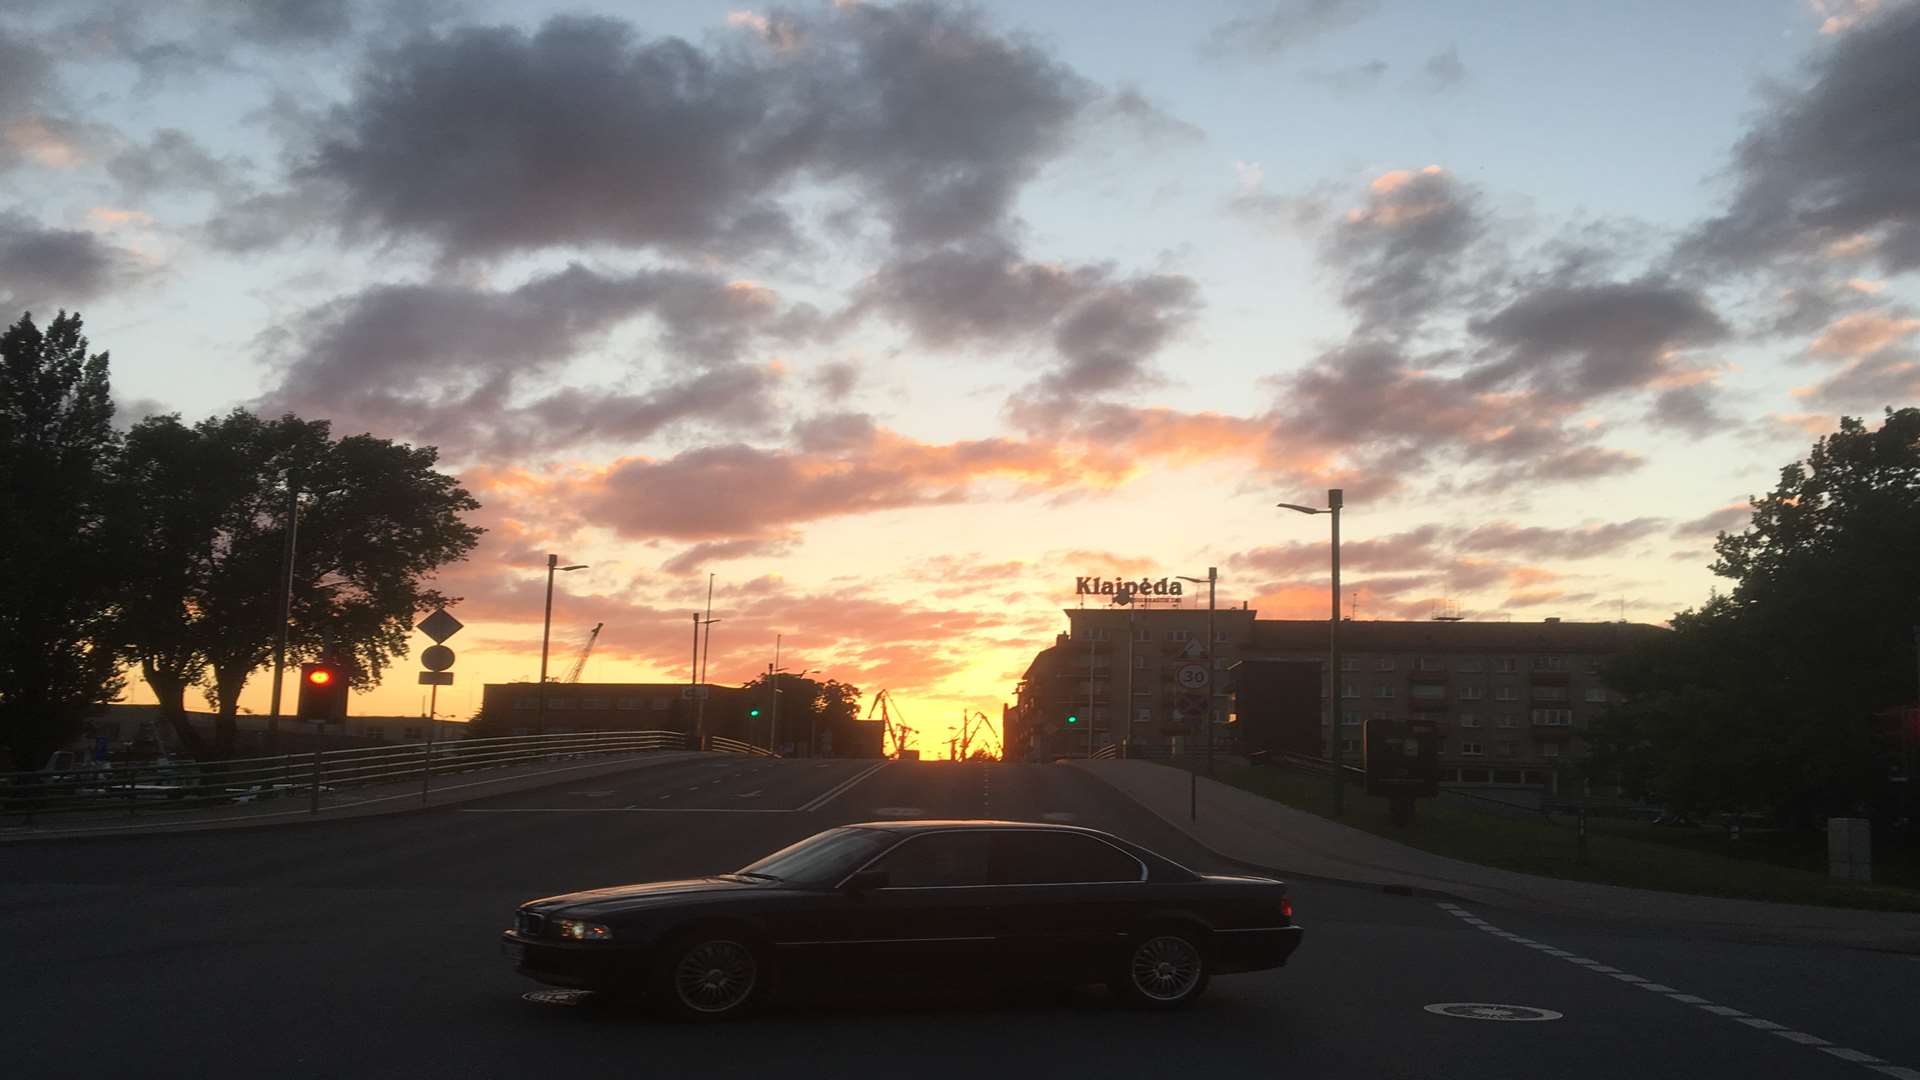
<point>437,659</point>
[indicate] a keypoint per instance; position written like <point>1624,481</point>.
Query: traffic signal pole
<point>286,614</point>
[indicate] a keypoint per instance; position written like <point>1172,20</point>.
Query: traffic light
<point>1072,719</point>
<point>323,693</point>
<point>754,712</point>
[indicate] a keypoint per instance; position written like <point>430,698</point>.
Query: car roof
<point>969,823</point>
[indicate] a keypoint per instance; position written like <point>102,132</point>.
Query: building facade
<point>731,712</point>
<point>1511,700</point>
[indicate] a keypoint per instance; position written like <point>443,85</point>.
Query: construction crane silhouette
<point>898,733</point>
<point>580,662</point>
<point>968,731</point>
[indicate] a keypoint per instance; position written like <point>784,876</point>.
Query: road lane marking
<point>1755,1022</point>
<point>835,792</point>
<point>620,810</point>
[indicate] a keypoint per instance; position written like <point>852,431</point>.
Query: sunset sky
<point>897,318</point>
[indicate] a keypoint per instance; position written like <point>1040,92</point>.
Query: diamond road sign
<point>439,626</point>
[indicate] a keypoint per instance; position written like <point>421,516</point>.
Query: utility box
<point>1403,758</point>
<point>1850,849</point>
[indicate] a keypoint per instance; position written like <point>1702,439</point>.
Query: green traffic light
<point>753,712</point>
<point>1073,719</point>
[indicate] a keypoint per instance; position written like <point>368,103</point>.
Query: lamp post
<point>1091,648</point>
<point>546,634</point>
<point>773,684</point>
<point>705,649</point>
<point>1212,579</point>
<point>1335,500</point>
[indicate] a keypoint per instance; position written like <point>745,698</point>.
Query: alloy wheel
<point>1166,968</point>
<point>715,976</point>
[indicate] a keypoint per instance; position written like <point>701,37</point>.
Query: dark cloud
<point>171,160</point>
<point>1834,159</point>
<point>834,432</point>
<point>452,363</point>
<point>1400,551</point>
<point>484,141</point>
<point>1286,25</point>
<point>699,556</point>
<point>1538,542</point>
<point>1578,341</point>
<point>1443,70</point>
<point>1403,256</point>
<point>1351,80</point>
<point>1725,519</point>
<point>284,23</point>
<point>1104,328</point>
<point>43,267</point>
<point>1689,409</point>
<point>835,381</point>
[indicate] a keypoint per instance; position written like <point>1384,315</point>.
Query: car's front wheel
<point>1163,969</point>
<point>709,976</point>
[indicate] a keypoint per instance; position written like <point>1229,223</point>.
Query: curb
<point>404,803</point>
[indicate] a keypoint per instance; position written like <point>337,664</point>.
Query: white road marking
<point>837,791</point>
<point>1801,1037</point>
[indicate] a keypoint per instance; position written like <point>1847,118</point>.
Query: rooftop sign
<point>1099,586</point>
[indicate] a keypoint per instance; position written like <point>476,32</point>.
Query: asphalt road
<point>366,948</point>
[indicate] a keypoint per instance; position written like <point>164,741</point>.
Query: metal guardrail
<point>734,746</point>
<point>1111,750</point>
<point>181,785</point>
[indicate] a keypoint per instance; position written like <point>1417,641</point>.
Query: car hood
<point>628,897</point>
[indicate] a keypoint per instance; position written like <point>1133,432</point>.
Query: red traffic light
<point>319,676</point>
<point>323,693</point>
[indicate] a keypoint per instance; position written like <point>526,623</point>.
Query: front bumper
<point>577,965</point>
<point>1255,950</point>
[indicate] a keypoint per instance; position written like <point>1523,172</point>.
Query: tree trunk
<point>169,686</point>
<point>228,681</point>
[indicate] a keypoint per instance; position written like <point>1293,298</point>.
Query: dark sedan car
<point>928,902</point>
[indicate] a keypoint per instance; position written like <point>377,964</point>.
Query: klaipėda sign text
<point>1099,586</point>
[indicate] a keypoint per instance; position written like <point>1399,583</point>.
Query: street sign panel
<point>1193,677</point>
<point>1193,706</point>
<point>436,678</point>
<point>694,693</point>
<point>439,626</point>
<point>436,658</point>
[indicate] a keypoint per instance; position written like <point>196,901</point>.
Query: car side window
<point>1053,858</point>
<point>937,860</point>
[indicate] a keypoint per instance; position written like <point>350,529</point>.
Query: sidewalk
<point>1247,828</point>
<point>339,803</point>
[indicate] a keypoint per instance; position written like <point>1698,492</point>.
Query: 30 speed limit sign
<point>1192,677</point>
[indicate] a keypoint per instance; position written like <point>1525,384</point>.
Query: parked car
<point>922,902</point>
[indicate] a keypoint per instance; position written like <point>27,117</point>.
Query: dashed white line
<point>1700,1003</point>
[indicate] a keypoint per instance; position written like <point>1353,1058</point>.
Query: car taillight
<point>1286,906</point>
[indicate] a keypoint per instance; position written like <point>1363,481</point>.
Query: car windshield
<point>823,858</point>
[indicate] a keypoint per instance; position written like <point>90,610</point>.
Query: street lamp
<point>774,671</point>
<point>1335,500</point>
<point>546,633</point>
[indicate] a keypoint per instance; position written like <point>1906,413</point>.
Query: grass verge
<point>1700,861</point>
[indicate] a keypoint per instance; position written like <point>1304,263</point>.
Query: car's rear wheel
<point>709,976</point>
<point>1164,969</point>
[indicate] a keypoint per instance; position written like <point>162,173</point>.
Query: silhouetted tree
<point>375,521</point>
<point>1772,695</point>
<point>61,567</point>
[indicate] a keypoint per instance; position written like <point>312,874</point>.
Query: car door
<point>1069,900</point>
<point>934,921</point>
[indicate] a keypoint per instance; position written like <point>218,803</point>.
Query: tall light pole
<point>705,649</point>
<point>773,684</point>
<point>285,612</point>
<point>546,634</point>
<point>1091,647</point>
<point>1335,500</point>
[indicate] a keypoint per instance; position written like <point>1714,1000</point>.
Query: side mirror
<point>866,881</point>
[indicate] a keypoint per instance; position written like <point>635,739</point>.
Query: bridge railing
<point>187,785</point>
<point>725,745</point>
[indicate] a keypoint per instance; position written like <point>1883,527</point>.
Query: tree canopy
<point>1778,694</point>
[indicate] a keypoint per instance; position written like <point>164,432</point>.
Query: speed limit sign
<point>1193,677</point>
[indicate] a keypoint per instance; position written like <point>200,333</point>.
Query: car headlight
<point>575,930</point>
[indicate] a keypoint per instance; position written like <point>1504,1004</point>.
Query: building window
<point>1468,719</point>
<point>1219,635</point>
<point>662,704</point>
<point>1143,715</point>
<point>1470,663</point>
<point>1550,693</point>
<point>1348,690</point>
<point>1383,691</point>
<point>1098,634</point>
<point>596,703</point>
<point>526,701</point>
<point>376,731</point>
<point>1179,635</point>
<point>1508,720</point>
<point>1349,663</point>
<point>1351,719</point>
<point>1427,691</point>
<point>630,703</point>
<point>1472,693</point>
<point>1383,716</point>
<point>410,733</point>
<point>1469,749</point>
<point>1506,664</point>
<point>1597,694</point>
<point>1141,633</point>
<point>1384,663</point>
<point>1431,663</point>
<point>1593,667</point>
<point>1549,663</point>
<point>1551,749</point>
<point>1503,748</point>
<point>1139,660</point>
<point>559,703</point>
<point>1552,717</point>
<point>1349,746</point>
<point>1505,693</point>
